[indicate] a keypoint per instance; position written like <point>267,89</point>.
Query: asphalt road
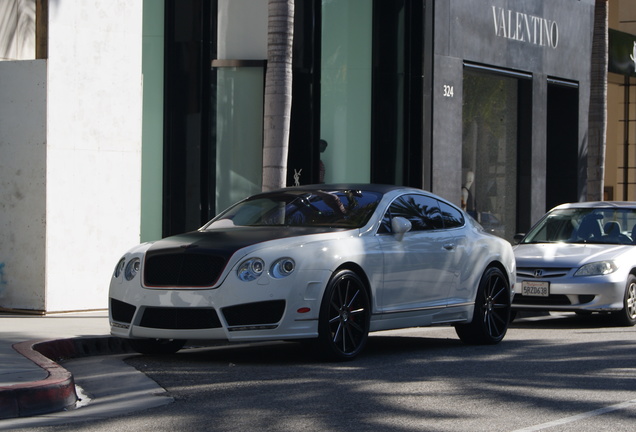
<point>559,373</point>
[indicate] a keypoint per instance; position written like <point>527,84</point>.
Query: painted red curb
<point>54,393</point>
<point>57,391</point>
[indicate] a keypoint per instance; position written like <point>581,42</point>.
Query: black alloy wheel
<point>345,314</point>
<point>492,311</point>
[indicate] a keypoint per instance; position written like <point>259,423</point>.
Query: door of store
<point>494,134</point>
<point>562,143</point>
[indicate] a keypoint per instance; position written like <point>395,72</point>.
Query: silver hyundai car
<point>580,257</point>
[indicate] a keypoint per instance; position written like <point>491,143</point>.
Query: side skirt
<point>459,313</point>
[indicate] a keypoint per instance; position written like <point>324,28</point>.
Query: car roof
<point>598,204</point>
<point>371,187</point>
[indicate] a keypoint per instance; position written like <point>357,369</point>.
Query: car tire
<point>491,315</point>
<point>156,346</point>
<point>344,319</point>
<point>627,316</point>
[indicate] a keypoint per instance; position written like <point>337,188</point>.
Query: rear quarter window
<point>451,216</point>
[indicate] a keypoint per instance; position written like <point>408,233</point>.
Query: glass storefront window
<point>345,120</point>
<point>489,151</point>
<point>239,133</point>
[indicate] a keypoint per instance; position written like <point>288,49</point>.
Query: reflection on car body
<point>327,263</point>
<point>580,257</point>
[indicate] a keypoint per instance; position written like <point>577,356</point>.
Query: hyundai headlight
<point>597,269</point>
<point>250,269</point>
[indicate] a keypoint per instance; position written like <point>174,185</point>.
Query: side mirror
<point>400,226</point>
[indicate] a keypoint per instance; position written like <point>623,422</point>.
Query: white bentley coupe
<point>325,263</point>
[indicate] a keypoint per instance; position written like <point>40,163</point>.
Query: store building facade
<point>484,103</point>
<point>620,166</point>
<point>151,125</point>
<point>523,72</point>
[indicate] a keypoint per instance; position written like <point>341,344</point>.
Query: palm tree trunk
<point>278,93</point>
<point>597,120</point>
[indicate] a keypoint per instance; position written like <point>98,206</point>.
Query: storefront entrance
<point>562,145</point>
<point>493,121</point>
<point>359,79</point>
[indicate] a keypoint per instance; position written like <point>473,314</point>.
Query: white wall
<point>22,183</point>
<point>94,147</point>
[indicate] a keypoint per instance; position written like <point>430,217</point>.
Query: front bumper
<point>590,293</point>
<point>233,311</point>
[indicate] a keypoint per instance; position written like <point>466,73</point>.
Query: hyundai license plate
<point>535,288</point>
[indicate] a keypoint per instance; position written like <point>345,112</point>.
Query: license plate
<point>535,288</point>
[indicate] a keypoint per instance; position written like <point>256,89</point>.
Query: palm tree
<point>597,120</point>
<point>278,93</point>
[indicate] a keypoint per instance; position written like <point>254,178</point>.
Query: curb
<point>57,391</point>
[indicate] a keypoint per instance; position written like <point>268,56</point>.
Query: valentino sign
<point>522,27</point>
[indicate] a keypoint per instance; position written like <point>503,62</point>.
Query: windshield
<point>589,225</point>
<point>336,209</point>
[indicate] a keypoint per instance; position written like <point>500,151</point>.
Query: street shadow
<point>427,377</point>
<point>566,320</point>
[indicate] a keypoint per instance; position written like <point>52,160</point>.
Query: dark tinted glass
<point>452,217</point>
<point>422,211</point>
<point>333,208</point>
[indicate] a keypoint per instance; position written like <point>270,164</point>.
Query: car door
<point>418,269</point>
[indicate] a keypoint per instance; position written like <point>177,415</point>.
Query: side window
<point>452,217</point>
<point>423,212</point>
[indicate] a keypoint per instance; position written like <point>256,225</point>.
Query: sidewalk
<point>31,382</point>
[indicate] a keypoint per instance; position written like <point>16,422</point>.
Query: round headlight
<point>282,267</point>
<point>250,269</point>
<point>120,267</point>
<point>132,268</point>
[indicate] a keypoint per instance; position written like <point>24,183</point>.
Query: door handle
<point>449,246</point>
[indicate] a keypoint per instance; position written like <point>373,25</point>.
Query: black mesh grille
<point>182,269</point>
<point>269,312</point>
<point>552,300</point>
<point>180,318</point>
<point>121,312</point>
